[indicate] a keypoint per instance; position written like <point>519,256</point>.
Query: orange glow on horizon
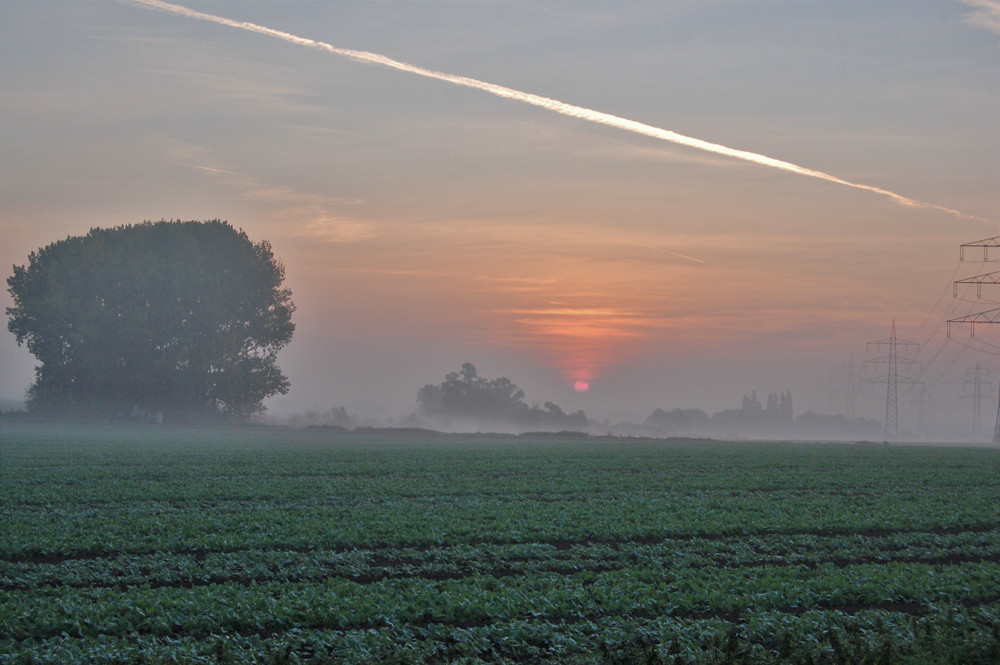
<point>581,341</point>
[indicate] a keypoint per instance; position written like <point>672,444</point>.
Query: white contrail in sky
<point>551,104</point>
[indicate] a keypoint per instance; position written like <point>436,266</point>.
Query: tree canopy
<point>184,318</point>
<point>466,395</point>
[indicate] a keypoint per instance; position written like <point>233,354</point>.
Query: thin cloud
<point>392,272</point>
<point>574,311</point>
<point>255,86</point>
<point>205,168</point>
<point>312,216</point>
<point>515,284</point>
<point>318,225</point>
<point>985,14</point>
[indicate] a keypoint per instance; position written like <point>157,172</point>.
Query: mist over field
<point>656,215</point>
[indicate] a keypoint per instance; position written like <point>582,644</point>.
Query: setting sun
<point>581,386</point>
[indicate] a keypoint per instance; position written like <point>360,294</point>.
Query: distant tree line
<point>754,416</point>
<point>465,396</point>
<point>751,417</point>
<point>465,399</point>
<point>774,418</point>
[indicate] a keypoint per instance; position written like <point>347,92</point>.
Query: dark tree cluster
<point>774,418</point>
<point>466,395</point>
<point>678,421</point>
<point>172,317</point>
<point>755,417</point>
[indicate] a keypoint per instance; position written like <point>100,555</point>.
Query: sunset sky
<point>424,224</point>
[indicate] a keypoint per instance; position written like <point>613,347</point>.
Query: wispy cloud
<point>554,105</point>
<point>515,284</point>
<point>392,272</point>
<point>985,14</point>
<point>261,87</point>
<point>585,340</point>
<point>309,215</point>
<point>318,225</point>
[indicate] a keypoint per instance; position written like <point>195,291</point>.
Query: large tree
<point>185,318</point>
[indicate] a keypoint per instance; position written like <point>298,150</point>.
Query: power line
<point>977,397</point>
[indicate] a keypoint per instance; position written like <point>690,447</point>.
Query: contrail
<point>552,105</point>
<point>685,256</point>
<point>205,168</point>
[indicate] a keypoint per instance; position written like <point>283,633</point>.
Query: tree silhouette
<point>465,394</point>
<point>179,317</point>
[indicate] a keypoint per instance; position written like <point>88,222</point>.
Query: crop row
<point>260,566</point>
<point>127,529</point>
<point>482,599</point>
<point>236,493</point>
<point>813,636</point>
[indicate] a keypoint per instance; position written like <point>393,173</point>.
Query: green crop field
<point>123,544</point>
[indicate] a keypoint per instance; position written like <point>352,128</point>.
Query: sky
<point>424,223</point>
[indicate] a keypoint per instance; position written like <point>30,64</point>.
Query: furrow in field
<point>389,570</point>
<point>38,555</point>
<point>268,629</point>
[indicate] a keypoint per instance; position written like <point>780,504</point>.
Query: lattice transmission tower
<point>985,317</point>
<point>978,396</point>
<point>893,359</point>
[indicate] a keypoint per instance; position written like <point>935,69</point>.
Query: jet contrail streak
<point>685,256</point>
<point>550,104</point>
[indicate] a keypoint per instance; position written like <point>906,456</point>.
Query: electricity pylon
<point>893,360</point>
<point>988,316</point>
<point>977,398</point>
